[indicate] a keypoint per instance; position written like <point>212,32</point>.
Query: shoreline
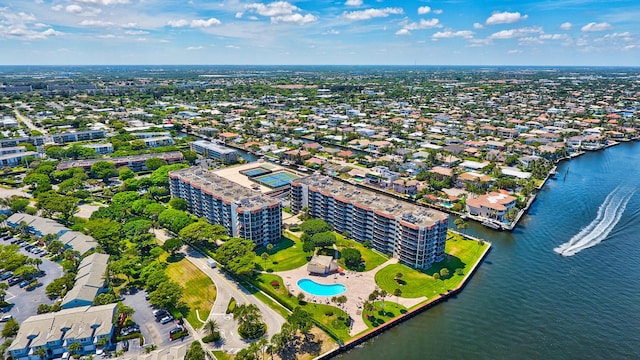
<point>413,311</point>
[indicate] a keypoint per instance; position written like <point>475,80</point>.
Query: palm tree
<point>40,352</point>
<point>262,344</point>
<point>264,257</point>
<point>444,272</point>
<point>397,293</point>
<point>211,327</point>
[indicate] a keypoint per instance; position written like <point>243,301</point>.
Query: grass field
<point>382,313</point>
<point>371,258</point>
<point>199,292</point>
<point>285,255</point>
<point>461,254</point>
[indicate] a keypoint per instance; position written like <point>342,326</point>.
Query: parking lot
<point>25,303</point>
<point>152,331</point>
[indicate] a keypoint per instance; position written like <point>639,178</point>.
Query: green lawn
<point>461,254</point>
<point>199,292</point>
<point>329,316</point>
<point>382,313</point>
<point>371,258</point>
<point>285,255</point>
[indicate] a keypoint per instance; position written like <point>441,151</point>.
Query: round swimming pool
<point>314,288</point>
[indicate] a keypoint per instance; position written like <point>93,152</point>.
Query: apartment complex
<point>413,234</point>
<point>55,332</point>
<point>134,162</point>
<point>214,151</point>
<point>243,212</point>
<point>79,136</point>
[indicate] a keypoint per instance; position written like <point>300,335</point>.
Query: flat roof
<point>228,190</point>
<point>215,147</point>
<point>235,174</point>
<point>401,210</point>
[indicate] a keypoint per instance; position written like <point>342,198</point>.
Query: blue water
<point>312,287</point>
<point>565,284</point>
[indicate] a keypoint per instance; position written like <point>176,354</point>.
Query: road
<point>27,121</point>
<point>226,289</point>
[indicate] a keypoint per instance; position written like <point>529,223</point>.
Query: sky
<point>322,32</point>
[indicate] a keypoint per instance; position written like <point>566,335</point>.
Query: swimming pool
<point>314,288</point>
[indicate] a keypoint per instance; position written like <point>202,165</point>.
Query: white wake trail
<point>612,215</point>
<point>589,228</point>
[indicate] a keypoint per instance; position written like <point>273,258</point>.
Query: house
<point>55,332</point>
<point>224,154</point>
<point>296,154</point>
<point>37,225</point>
<point>493,205</point>
<point>409,187</point>
<point>78,241</point>
<point>322,265</point>
<point>90,281</point>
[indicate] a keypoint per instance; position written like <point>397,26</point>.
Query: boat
<point>491,224</point>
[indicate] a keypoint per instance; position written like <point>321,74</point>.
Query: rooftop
<point>372,200</point>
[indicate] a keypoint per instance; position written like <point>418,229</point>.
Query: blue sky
<point>455,32</point>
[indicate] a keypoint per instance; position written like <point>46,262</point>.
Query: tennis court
<point>276,180</point>
<point>256,172</point>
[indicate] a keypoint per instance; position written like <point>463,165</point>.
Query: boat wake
<point>609,214</point>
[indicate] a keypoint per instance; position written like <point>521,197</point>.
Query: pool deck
<point>359,285</point>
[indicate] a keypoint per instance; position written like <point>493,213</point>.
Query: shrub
<point>212,338</point>
<point>250,331</point>
<point>275,284</point>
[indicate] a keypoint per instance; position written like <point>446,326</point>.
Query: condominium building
<point>243,212</point>
<point>413,234</point>
<point>56,332</point>
<point>78,136</point>
<point>211,150</point>
<point>134,162</point>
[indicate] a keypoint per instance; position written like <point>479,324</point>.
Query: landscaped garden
<point>371,258</point>
<point>381,312</point>
<point>461,255</point>
<point>285,255</point>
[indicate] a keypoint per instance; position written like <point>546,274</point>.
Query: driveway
<point>26,302</point>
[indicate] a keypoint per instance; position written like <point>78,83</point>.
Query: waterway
<point>527,301</point>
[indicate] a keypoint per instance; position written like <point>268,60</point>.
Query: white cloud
<point>74,9</point>
<point>277,8</point>
<point>424,10</point>
<point>466,34</point>
<point>232,47</point>
<point>505,18</point>
<point>195,48</point>
<point>593,27</point>
<point>102,2</point>
<point>403,32</point>
<point>136,32</point>
<point>514,51</point>
<point>372,13</point>
<point>515,33</point>
<point>423,24</point>
<point>57,7</point>
<point>553,36</point>
<point>96,23</point>
<point>566,26</point>
<point>294,18</point>
<point>204,23</point>
<point>239,15</point>
<point>22,32</point>
<point>437,11</point>
<point>353,3</point>
<point>478,26</point>
<point>178,23</point>
<point>331,32</point>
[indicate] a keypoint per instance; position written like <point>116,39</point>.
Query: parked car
<point>166,319</point>
<point>6,318</point>
<point>14,280</point>
<point>6,275</point>
<point>177,333</point>
<point>159,314</point>
<point>24,283</point>
<point>130,330</point>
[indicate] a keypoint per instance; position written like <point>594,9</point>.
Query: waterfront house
<point>493,205</point>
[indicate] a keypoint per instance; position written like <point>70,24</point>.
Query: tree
<point>195,352</point>
<point>211,327</point>
<point>178,204</point>
<point>264,257</point>
<point>352,258</point>
<point>18,203</point>
<point>10,329</point>
<point>172,245</point>
<point>269,248</point>
<point>125,173</point>
<point>315,226</point>
<point>300,298</point>
<point>397,293</point>
<point>52,203</point>
<point>237,255</point>
<point>460,224</point>
<point>301,320</point>
<point>104,299</point>
<point>308,246</point>
<point>168,294</point>
<point>174,220</point>
<point>38,182</point>
<point>56,288</point>
<point>40,352</point>
<point>155,163</point>
<point>324,239</point>
<point>367,306</point>
<point>74,348</point>
<point>201,231</point>
<point>444,272</point>
<point>26,272</point>
<point>103,170</point>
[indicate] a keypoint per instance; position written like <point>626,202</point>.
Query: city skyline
<point>376,32</point>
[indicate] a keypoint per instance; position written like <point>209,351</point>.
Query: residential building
<point>90,281</point>
<point>413,234</point>
<point>17,158</point>
<point>243,212</point>
<point>135,162</point>
<point>493,205</point>
<point>55,332</point>
<point>224,154</point>
<point>155,139</point>
<point>101,149</point>
<point>79,136</point>
<point>8,122</point>
<point>37,225</point>
<point>78,241</point>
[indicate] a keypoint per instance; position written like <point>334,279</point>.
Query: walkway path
<point>227,288</point>
<point>359,286</point>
